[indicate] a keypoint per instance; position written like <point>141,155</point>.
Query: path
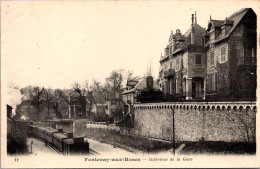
<point>39,148</point>
<point>106,149</point>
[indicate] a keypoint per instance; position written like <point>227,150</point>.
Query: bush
<point>218,147</point>
<point>16,145</point>
<point>136,142</point>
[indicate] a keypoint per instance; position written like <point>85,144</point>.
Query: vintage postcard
<point>119,84</point>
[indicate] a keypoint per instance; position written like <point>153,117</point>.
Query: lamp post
<point>173,132</point>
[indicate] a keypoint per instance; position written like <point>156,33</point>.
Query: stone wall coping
<point>198,105</point>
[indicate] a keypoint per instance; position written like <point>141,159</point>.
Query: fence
<point>102,125</point>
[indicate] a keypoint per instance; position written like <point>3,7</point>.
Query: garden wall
<point>194,123</point>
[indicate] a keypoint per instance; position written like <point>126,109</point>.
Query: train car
<point>75,146</point>
<point>49,134</point>
<point>32,130</point>
<point>41,133</point>
<point>58,140</point>
<point>65,143</point>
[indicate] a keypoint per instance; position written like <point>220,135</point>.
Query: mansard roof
<point>215,24</point>
<point>199,32</point>
<point>198,29</point>
<point>131,82</point>
<point>232,20</point>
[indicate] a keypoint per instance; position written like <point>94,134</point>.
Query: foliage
<point>150,96</point>
<point>53,103</point>
<point>16,145</point>
<point>213,147</point>
<point>38,102</point>
<point>36,98</point>
<point>136,142</point>
<point>114,81</point>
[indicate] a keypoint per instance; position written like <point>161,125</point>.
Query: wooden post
<point>31,146</point>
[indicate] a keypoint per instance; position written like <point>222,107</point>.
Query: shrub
<point>16,145</point>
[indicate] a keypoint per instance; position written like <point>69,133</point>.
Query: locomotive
<point>63,142</point>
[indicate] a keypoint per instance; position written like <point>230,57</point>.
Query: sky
<point>57,43</point>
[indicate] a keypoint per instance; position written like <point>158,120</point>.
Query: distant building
<point>114,103</point>
<point>100,111</point>
<point>10,121</point>
<point>134,88</point>
<point>214,63</point>
<point>77,107</point>
<point>9,111</point>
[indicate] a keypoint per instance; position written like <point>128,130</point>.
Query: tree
<point>80,97</point>
<point>114,81</point>
<point>244,120</point>
<point>47,100</point>
<point>78,89</point>
<point>60,94</point>
<point>130,76</point>
<point>90,98</point>
<point>56,100</point>
<point>98,88</point>
<point>36,98</point>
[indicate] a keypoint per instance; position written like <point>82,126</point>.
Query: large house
<point>230,46</point>
<point>217,62</point>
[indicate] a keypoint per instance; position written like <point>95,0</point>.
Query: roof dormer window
<point>212,35</point>
<point>223,30</point>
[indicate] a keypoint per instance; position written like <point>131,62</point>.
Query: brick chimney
<point>149,82</point>
<point>192,36</point>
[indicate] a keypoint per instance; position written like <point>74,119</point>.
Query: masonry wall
<point>153,123</point>
<point>66,126</point>
<point>194,125</point>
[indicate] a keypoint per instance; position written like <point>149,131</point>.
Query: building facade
<point>230,46</point>
<point>114,104</point>
<point>214,63</point>
<point>134,88</point>
<point>77,107</point>
<point>183,65</point>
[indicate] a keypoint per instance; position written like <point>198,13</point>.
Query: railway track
<point>91,152</point>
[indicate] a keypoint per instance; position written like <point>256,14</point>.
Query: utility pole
<point>173,132</point>
<point>48,102</point>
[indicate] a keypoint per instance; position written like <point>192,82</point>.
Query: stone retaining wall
<point>229,122</point>
<point>213,124</point>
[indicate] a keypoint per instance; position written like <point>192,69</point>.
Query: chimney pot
<point>192,19</point>
<point>195,18</point>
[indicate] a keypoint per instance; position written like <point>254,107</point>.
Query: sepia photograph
<point>90,84</point>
